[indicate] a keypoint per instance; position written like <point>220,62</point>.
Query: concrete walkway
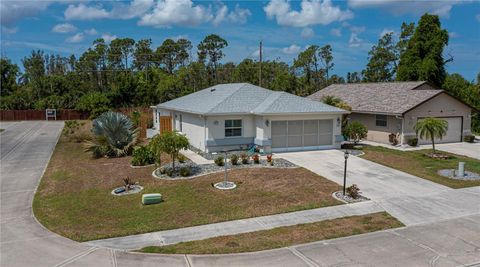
<point>410,199</point>
<point>195,157</point>
<point>26,147</point>
<point>237,227</point>
<point>471,150</point>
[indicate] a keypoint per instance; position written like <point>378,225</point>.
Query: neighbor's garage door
<point>301,134</point>
<point>454,132</point>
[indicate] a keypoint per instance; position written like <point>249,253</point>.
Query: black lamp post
<point>345,155</point>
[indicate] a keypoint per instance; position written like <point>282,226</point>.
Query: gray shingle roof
<point>245,98</point>
<point>385,98</point>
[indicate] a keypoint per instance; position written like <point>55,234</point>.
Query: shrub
<point>135,117</point>
<point>142,156</point>
<point>469,138</point>
<point>245,158</point>
<point>393,139</point>
<point>234,159</point>
<point>412,141</point>
<point>269,157</point>
<point>113,133</point>
<point>170,143</point>
<point>185,171</point>
<point>169,171</point>
<point>256,159</point>
<point>219,161</point>
<point>355,131</point>
<point>182,158</point>
<point>95,103</point>
<point>353,191</point>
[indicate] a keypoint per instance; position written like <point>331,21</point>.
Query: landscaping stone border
<point>469,176</point>
<point>204,169</point>
<point>348,199</point>
<point>135,190</point>
<point>144,166</point>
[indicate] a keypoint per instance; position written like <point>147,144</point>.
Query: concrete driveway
<point>409,198</point>
<point>465,149</point>
<point>27,146</point>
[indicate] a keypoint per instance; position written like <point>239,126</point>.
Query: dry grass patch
<point>283,236</point>
<point>418,164</point>
<point>74,198</point>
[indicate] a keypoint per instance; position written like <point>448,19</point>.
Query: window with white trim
<point>233,128</point>
<point>381,120</point>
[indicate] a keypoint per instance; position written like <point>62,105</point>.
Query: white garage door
<point>301,134</point>
<point>454,132</point>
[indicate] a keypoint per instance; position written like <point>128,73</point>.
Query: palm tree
<point>431,128</point>
<point>114,135</point>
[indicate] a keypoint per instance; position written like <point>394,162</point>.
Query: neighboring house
<point>239,115</point>
<point>395,107</point>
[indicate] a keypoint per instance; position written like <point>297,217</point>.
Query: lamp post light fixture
<point>345,155</point>
<point>225,185</point>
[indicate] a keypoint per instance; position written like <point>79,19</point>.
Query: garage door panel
<point>454,132</point>
<point>302,134</point>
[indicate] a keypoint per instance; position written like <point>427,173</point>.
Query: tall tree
<point>143,54</point>
<point>326,56</point>
<point>172,54</point>
<point>120,51</point>
<point>423,58</point>
<point>381,66</point>
<point>9,72</point>
<point>212,48</point>
<point>307,66</point>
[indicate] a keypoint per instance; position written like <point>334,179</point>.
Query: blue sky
<point>286,27</point>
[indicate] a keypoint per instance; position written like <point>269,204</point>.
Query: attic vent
<point>213,90</point>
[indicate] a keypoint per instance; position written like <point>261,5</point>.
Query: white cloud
<point>355,40</point>
<point>91,31</point>
<point>77,38</point>
<point>453,35</point>
<point>9,30</point>
<point>293,49</point>
<point>385,31</point>
<point>336,32</point>
<point>312,12</point>
<point>11,11</point>
<point>84,12</point>
<point>417,7</point>
<point>307,33</point>
<point>108,37</point>
<point>64,28</point>
<point>176,12</point>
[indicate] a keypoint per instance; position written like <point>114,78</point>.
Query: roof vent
<point>213,90</point>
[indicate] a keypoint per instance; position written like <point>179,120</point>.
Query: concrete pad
<point>46,251</point>
<point>15,205</point>
<point>22,229</point>
<point>279,257</point>
<point>97,257</point>
<point>471,150</point>
<point>124,259</point>
<point>381,249</point>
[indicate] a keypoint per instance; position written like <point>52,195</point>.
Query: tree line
<point>126,72</point>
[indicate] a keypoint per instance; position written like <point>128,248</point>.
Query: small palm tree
<point>431,128</point>
<point>114,135</point>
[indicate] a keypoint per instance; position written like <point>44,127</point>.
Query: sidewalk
<point>237,227</point>
<point>197,159</point>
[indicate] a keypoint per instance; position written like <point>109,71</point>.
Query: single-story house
<point>240,115</point>
<point>395,107</point>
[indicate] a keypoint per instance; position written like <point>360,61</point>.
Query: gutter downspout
<point>204,134</point>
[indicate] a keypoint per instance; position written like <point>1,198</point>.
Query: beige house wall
<point>378,133</point>
<point>441,105</point>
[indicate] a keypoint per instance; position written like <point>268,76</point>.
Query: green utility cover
<point>148,199</point>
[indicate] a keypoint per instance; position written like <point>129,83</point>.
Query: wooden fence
<point>146,117</point>
<point>30,115</point>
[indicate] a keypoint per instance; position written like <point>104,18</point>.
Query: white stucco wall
<point>378,133</point>
<point>192,126</point>
<point>217,131</point>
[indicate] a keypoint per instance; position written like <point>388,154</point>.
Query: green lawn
<point>283,236</point>
<point>416,163</point>
<point>74,200</point>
